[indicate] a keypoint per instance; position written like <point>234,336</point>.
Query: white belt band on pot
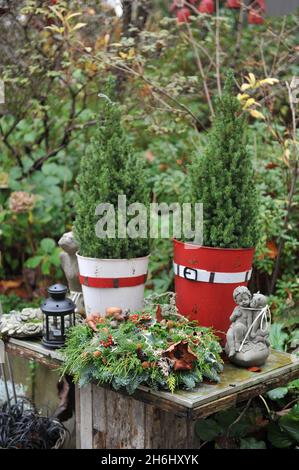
<point>201,275</point>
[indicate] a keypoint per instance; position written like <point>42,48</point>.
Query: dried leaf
<point>159,317</point>
<point>242,97</point>
<point>254,369</point>
<point>256,114</point>
<point>78,26</point>
<point>272,249</point>
<point>268,81</point>
<point>181,355</point>
<point>249,102</point>
<point>56,29</point>
<point>245,86</point>
<point>73,15</point>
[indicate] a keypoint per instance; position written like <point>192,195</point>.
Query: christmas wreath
<point>156,347</point>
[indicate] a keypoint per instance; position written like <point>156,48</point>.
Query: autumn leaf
<point>245,86</point>
<point>254,369</point>
<point>286,157</point>
<point>251,79</point>
<point>268,81</point>
<point>271,252</point>
<point>78,26</point>
<point>73,15</point>
<point>181,355</point>
<point>256,114</point>
<point>249,102</point>
<point>56,29</point>
<point>242,97</point>
<point>272,249</point>
<point>159,317</point>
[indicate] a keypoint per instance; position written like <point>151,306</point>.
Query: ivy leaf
<point>278,437</point>
<point>294,339</point>
<point>252,443</point>
<point>227,417</point>
<point>48,245</point>
<point>33,262</point>
<point>294,385</point>
<point>208,429</point>
<point>55,257</point>
<point>278,393</point>
<point>46,265</point>
<point>290,423</point>
<point>277,336</point>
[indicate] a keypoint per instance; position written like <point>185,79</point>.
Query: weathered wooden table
<point>153,420</point>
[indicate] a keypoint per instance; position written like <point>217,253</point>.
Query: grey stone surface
<point>24,324</point>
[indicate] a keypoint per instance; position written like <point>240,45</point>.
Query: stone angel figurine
<point>247,339</point>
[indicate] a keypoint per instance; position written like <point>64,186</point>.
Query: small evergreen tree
<point>108,169</point>
<point>223,178</point>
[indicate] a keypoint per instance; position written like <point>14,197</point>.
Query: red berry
<point>183,15</point>
<point>255,17</point>
<point>53,2</point>
<point>233,4</point>
<point>206,6</point>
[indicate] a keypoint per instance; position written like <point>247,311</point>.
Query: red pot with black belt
<point>205,279</point>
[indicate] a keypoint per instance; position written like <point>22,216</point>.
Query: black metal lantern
<point>59,314</point>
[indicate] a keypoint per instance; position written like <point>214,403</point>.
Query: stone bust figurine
<point>70,267</point>
<point>247,338</point>
<point>69,261</point>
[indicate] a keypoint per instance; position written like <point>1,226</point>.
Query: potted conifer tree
<point>113,268</point>
<point>223,180</point>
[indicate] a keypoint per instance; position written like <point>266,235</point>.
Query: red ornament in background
<point>183,15</point>
<point>255,17</point>
<point>261,4</point>
<point>176,4</point>
<point>233,4</point>
<point>206,6</point>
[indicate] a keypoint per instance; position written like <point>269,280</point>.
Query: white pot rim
<point>113,259</point>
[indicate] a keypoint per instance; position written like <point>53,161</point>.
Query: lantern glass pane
<point>47,328</point>
<point>56,327</point>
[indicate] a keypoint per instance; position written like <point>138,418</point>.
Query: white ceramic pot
<point>114,276</point>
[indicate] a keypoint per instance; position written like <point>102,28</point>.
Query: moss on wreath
<point>167,355</point>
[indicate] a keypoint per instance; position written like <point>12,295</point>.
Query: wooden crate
<point>106,419</point>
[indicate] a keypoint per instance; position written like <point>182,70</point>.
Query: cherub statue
<point>257,334</point>
<point>247,338</point>
<point>240,320</point>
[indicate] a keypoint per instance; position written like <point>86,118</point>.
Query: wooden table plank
<point>34,350</point>
<point>236,385</point>
<point>234,380</point>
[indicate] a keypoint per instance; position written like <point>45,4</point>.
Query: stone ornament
<point>69,261</point>
<point>247,339</point>
<point>69,264</point>
<point>24,324</point>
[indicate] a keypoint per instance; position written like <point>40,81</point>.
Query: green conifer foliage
<point>108,169</point>
<point>223,178</point>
